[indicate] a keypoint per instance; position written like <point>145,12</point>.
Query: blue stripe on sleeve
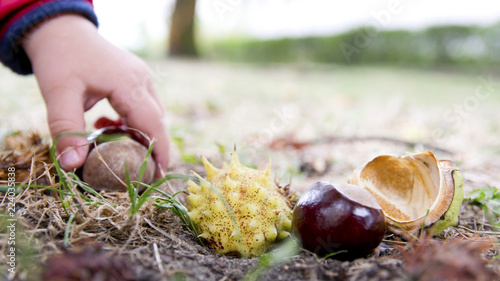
<point>12,54</point>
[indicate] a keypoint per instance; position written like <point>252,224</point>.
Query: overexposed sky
<point>131,23</point>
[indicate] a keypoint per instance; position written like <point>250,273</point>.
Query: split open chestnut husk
<point>414,191</point>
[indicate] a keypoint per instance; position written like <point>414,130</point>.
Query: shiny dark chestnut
<point>342,218</point>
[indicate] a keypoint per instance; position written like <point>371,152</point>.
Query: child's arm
<point>76,68</point>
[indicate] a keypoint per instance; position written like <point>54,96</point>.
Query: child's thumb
<point>65,115</point>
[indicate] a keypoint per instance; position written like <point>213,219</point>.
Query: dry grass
<point>156,245</point>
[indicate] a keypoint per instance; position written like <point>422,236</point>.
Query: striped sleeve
<point>18,17</point>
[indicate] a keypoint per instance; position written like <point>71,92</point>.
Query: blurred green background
<point>297,31</point>
<point>440,45</point>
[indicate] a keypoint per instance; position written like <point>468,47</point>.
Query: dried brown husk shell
<point>415,191</point>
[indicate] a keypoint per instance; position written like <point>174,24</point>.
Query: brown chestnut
<point>343,219</point>
<point>108,173</point>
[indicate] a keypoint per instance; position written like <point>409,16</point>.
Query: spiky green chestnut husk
<point>238,210</point>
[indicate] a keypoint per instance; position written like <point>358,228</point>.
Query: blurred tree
<point>181,42</point>
<point>448,42</point>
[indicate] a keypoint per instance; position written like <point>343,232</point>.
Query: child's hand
<point>76,68</point>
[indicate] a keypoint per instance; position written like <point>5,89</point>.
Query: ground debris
<point>454,259</point>
<point>87,262</point>
<point>29,155</point>
<point>154,244</point>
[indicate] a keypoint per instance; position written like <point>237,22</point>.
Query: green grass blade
<point>144,197</point>
<point>67,229</point>
<point>281,254</point>
<point>406,231</point>
<point>334,254</point>
<point>62,178</point>
<point>145,162</point>
<point>423,224</point>
<point>132,192</point>
<point>89,189</point>
<point>3,188</point>
<point>173,177</point>
<point>170,203</point>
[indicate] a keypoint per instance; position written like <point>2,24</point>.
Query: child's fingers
<point>146,116</point>
<point>65,114</point>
